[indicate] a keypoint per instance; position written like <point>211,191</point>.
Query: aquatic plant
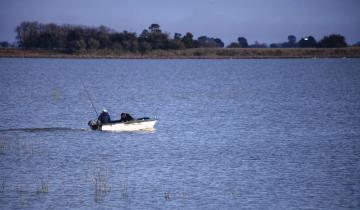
<point>20,188</point>
<point>44,188</point>
<point>102,187</point>
<point>56,95</point>
<point>26,148</point>
<point>125,181</point>
<point>2,148</point>
<point>124,191</point>
<point>176,195</point>
<point>167,195</point>
<point>2,187</point>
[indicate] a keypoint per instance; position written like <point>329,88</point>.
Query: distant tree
<point>93,44</point>
<point>154,37</point>
<point>33,35</point>
<point>73,39</point>
<point>144,46</point>
<point>202,40</point>
<point>308,42</point>
<point>159,40</point>
<point>234,45</point>
<point>80,45</point>
<point>258,45</point>
<point>209,42</point>
<point>357,44</point>
<point>292,40</point>
<point>26,34</point>
<point>333,41</point>
<point>145,41</point>
<point>219,42</point>
<point>291,43</point>
<point>144,36</point>
<point>129,41</point>
<point>77,45</point>
<point>46,41</point>
<point>154,28</point>
<point>196,44</point>
<point>276,45</point>
<point>117,46</point>
<point>116,40</point>
<point>243,42</point>
<point>188,40</point>
<point>103,36</point>
<point>176,44</point>
<point>5,44</point>
<point>134,45</point>
<point>51,36</point>
<point>177,36</point>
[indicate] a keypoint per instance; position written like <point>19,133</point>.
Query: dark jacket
<point>104,117</point>
<point>126,117</point>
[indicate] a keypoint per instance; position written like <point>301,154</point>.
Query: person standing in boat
<point>104,117</point>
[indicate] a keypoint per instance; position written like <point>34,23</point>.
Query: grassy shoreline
<point>196,53</point>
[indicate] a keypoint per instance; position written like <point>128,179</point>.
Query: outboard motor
<point>94,124</point>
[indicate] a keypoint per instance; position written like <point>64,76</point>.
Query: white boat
<point>132,125</point>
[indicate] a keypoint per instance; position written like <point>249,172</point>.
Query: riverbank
<point>196,53</point>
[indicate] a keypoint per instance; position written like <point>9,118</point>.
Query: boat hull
<point>133,125</point>
<point>130,126</point>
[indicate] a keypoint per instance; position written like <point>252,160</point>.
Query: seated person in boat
<point>125,117</point>
<point>104,117</point>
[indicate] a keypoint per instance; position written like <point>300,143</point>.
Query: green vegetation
<point>34,35</point>
<point>2,187</point>
<point>51,40</point>
<point>195,53</point>
<point>167,195</point>
<point>44,188</point>
<point>70,38</point>
<point>333,41</point>
<point>2,148</point>
<point>102,187</point>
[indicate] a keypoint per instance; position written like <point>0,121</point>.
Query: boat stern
<point>94,125</point>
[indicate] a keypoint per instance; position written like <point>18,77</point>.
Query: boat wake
<point>53,129</point>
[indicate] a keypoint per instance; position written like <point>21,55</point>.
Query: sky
<point>265,21</point>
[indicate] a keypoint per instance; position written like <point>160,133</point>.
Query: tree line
<point>331,41</point>
<point>35,35</point>
<point>32,35</point>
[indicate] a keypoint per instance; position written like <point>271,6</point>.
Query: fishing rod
<point>89,96</point>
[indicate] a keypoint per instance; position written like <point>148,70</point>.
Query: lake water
<point>232,134</point>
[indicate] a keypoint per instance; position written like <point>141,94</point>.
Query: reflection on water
<point>234,134</point>
<point>42,129</point>
<point>101,185</point>
<point>147,130</point>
